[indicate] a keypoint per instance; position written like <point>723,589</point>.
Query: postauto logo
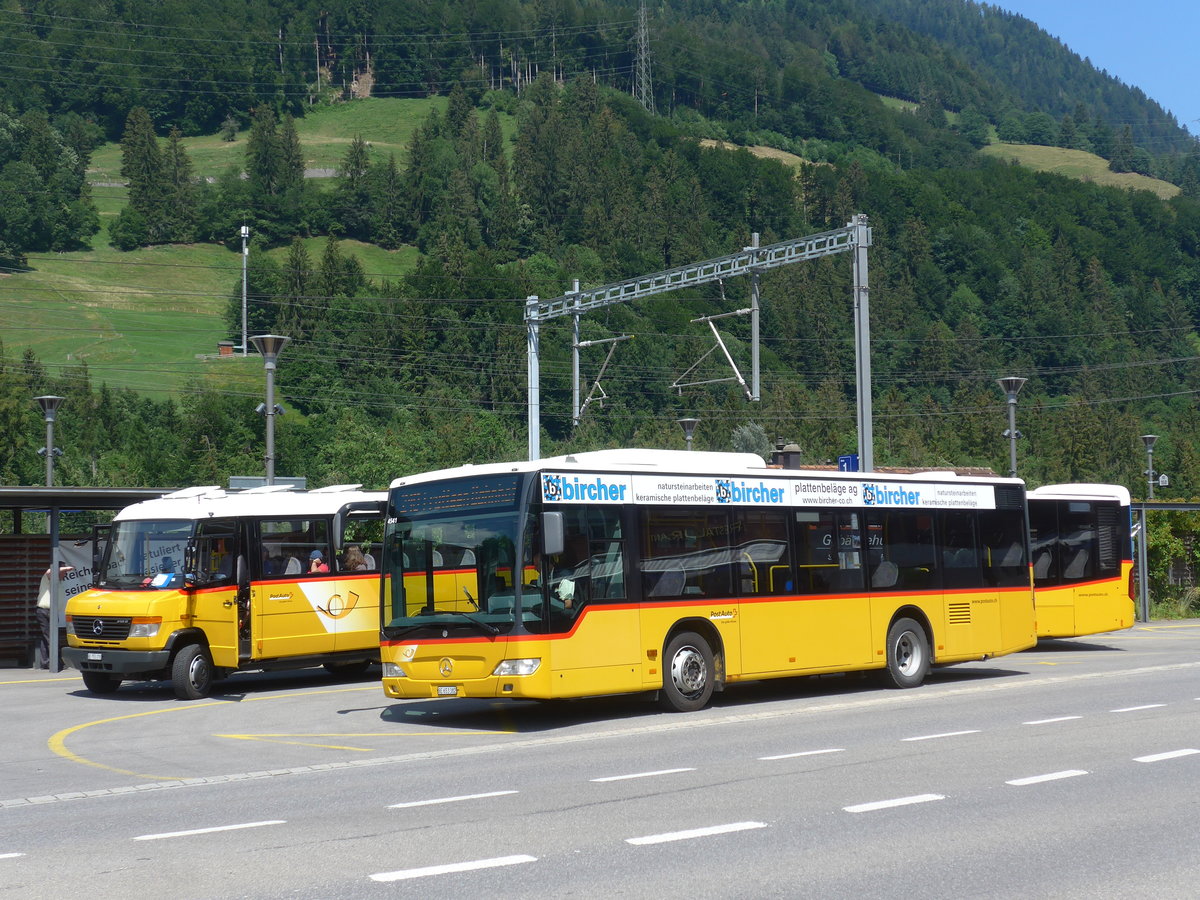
<point>760,494</point>
<point>584,489</point>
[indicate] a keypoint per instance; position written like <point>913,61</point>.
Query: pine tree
<point>180,200</point>
<point>142,164</point>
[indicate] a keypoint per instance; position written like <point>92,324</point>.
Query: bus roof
<point>203,502</point>
<point>1081,492</point>
<point>681,462</point>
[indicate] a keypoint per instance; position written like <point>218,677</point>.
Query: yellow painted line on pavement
<point>45,679</point>
<point>58,741</point>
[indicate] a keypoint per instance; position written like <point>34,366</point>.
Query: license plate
<point>447,690</point>
<point>96,656</point>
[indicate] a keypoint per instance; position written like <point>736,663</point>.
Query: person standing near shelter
<point>43,611</point>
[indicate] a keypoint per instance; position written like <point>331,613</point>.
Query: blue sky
<point>1150,44</point>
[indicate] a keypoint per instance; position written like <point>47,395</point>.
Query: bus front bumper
<point>116,662</point>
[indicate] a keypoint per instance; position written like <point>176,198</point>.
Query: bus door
<point>1055,602</point>
<point>213,604</point>
<point>829,623</point>
<point>588,603</point>
<point>971,615</point>
<point>354,607</point>
<point>296,605</point>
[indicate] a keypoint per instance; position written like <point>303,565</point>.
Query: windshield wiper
<point>485,626</point>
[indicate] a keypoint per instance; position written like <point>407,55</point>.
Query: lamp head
<point>49,405</point>
<point>1011,385</point>
<point>688,426</point>
<point>1148,440</point>
<point>269,345</point>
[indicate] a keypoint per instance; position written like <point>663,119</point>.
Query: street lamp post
<point>245,258</point>
<point>270,346</point>
<point>689,427</point>
<point>1148,440</point>
<point>50,405</point>
<point>1011,385</point>
<point>1144,534</point>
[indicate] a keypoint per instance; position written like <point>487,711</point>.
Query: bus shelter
<point>25,556</point>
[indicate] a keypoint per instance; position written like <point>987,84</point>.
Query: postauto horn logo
<point>574,489</point>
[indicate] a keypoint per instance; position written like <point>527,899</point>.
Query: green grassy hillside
<point>133,316</point>
<point>1079,164</point>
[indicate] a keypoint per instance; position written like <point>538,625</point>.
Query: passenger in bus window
<point>353,560</point>
<point>316,562</point>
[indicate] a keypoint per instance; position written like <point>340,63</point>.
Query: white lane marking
<point>1049,721</point>
<point>438,800</point>
<point>450,868</point>
<point>642,775</point>
<point>1171,754</point>
<point>1051,776</point>
<point>194,831</point>
<point>694,833</point>
<point>804,753</point>
<point>10,855</point>
<point>934,737</point>
<point>1136,708</point>
<point>888,804</point>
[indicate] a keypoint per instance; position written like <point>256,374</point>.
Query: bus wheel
<point>687,674</point>
<point>907,654</point>
<point>192,673</point>
<point>101,682</point>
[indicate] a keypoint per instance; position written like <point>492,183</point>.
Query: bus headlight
<point>145,628</point>
<point>517,667</point>
<point>391,670</point>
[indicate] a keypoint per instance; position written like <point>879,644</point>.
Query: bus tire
<point>101,682</point>
<point>907,654</point>
<point>687,673</point>
<point>192,673</point>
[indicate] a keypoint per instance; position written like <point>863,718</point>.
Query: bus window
<point>1077,541</point>
<point>216,550</point>
<point>829,552</point>
<point>685,553</point>
<point>762,557</point>
<point>960,553</point>
<point>1005,563</point>
<point>908,560</point>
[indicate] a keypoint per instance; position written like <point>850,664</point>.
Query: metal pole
<point>245,257</point>
<point>1143,569</point>
<point>862,344</point>
<point>56,599</point>
<point>575,361</point>
<point>1011,385</point>
<point>534,411</point>
<point>755,382</point>
<point>49,449</point>
<point>1012,435</point>
<point>270,412</point>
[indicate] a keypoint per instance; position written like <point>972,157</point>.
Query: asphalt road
<point>1072,770</point>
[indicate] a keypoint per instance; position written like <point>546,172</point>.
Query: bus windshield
<point>146,554</point>
<point>454,568</point>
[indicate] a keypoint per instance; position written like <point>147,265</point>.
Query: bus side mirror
<point>553,533</point>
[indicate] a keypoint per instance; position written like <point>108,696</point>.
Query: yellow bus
<point>1082,552</point>
<point>683,572</point>
<point>202,583</point>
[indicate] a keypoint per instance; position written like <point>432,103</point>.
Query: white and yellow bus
<point>1082,554</point>
<point>683,572</point>
<point>202,583</point>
